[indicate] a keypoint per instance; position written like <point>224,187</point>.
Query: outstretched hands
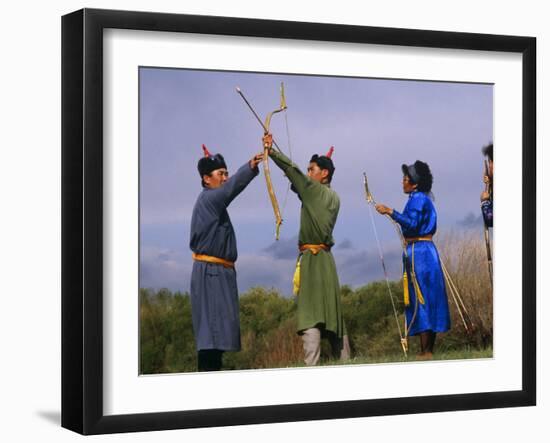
<point>255,161</point>
<point>267,140</point>
<point>485,194</point>
<point>383,209</point>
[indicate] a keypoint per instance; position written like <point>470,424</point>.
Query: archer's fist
<point>267,141</point>
<point>383,209</point>
<point>484,196</point>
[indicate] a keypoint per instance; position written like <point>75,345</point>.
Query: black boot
<point>209,360</point>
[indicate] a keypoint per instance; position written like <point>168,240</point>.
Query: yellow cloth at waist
<point>415,239</point>
<point>314,248</point>
<point>416,286</point>
<point>215,260</point>
<point>305,247</point>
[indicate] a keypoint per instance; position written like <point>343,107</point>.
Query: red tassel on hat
<point>206,152</point>
<point>330,151</point>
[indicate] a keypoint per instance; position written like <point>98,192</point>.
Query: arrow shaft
<point>265,128</point>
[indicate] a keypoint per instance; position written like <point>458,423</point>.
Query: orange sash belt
<point>314,248</point>
<point>415,239</point>
<point>216,260</point>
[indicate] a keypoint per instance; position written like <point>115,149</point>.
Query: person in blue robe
<point>214,295</point>
<point>427,311</point>
<point>487,194</point>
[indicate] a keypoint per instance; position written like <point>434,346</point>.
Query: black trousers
<point>209,360</point>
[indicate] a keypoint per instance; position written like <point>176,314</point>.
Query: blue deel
<point>419,219</point>
<point>214,295</point>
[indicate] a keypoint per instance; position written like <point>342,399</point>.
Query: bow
<point>372,202</point>
<point>488,188</point>
<point>267,173</point>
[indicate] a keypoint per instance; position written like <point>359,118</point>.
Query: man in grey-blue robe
<point>214,295</point>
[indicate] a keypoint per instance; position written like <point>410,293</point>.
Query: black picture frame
<point>82,218</point>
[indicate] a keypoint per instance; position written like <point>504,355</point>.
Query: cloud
<point>283,249</point>
<point>359,267</point>
<point>471,221</point>
<point>273,267</point>
<point>346,244</point>
<point>355,268</point>
<point>264,270</point>
<point>164,268</point>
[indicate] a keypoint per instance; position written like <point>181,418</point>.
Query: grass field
<point>457,354</point>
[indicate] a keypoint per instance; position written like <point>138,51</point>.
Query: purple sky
<point>375,125</point>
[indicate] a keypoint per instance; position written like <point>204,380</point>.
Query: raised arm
<point>221,197</point>
<point>299,180</point>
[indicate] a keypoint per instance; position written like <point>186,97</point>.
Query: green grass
<point>456,354</point>
<point>269,339</point>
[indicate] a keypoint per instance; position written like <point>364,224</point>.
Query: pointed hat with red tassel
<point>206,151</point>
<point>209,162</point>
<point>325,162</point>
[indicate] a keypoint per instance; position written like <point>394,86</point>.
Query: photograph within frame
<point>84,328</point>
<point>372,122</point>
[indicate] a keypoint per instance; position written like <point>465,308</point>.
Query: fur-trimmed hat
<point>488,151</point>
<point>210,162</point>
<point>419,173</point>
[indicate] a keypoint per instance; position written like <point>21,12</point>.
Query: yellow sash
<point>416,286</point>
<point>296,278</point>
<point>315,249</point>
<point>211,259</point>
<point>415,239</point>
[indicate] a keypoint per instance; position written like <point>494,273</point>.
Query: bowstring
<point>290,154</point>
<point>381,255</point>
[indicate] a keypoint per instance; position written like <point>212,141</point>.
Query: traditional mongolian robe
<point>487,211</point>
<point>214,295</point>
<point>419,219</point>
<point>319,293</point>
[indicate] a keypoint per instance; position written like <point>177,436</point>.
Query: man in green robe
<point>319,309</point>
